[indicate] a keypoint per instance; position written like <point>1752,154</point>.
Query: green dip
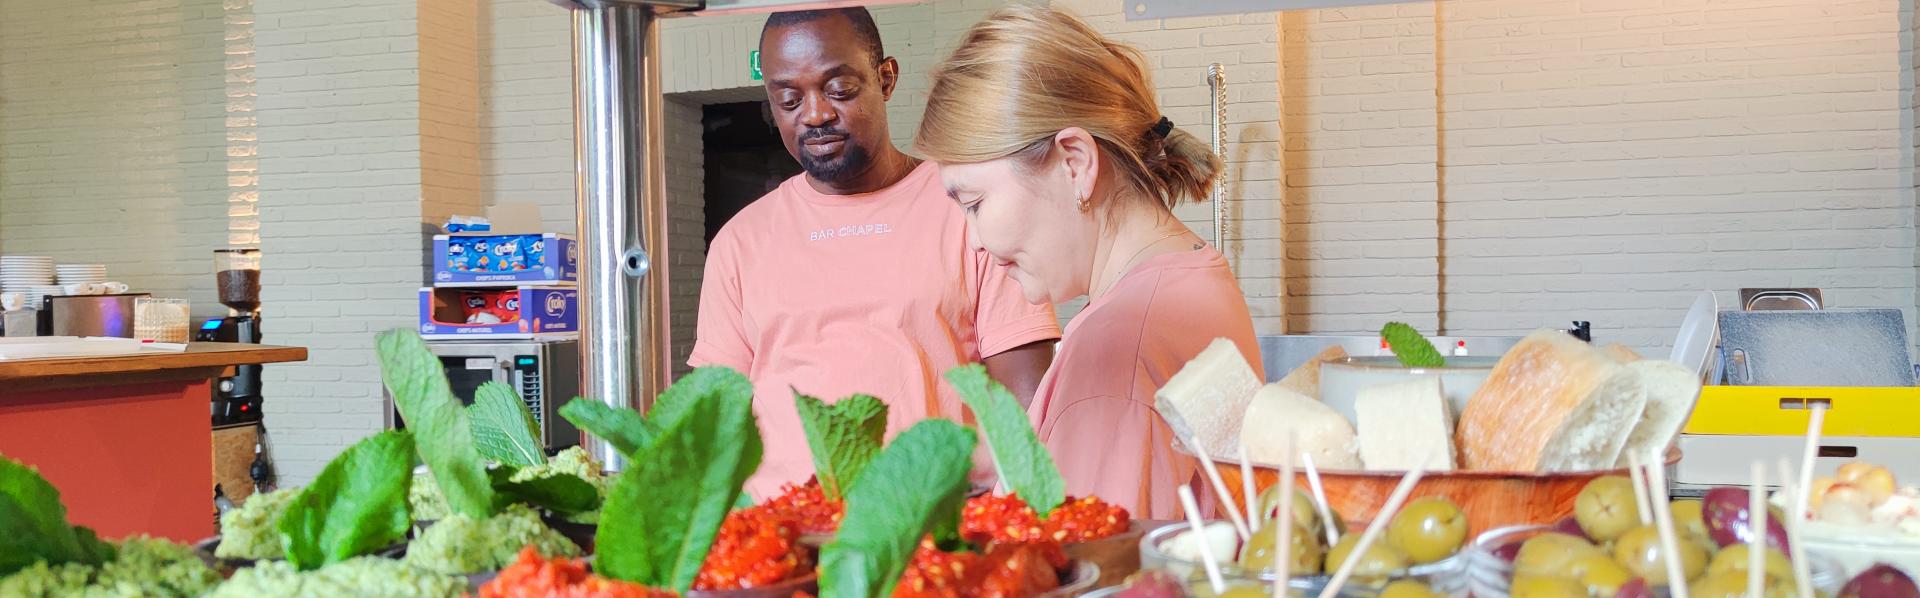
<point>459,544</point>
<point>361,576</point>
<point>249,533</point>
<point>428,504</point>
<point>144,567</point>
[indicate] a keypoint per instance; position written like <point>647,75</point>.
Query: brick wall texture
<point>1472,166</point>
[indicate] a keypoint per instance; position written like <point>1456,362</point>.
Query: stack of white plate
<point>20,272</point>
<point>80,273</point>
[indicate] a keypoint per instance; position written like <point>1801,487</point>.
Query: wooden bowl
<point>1117,556</point>
<point>1491,499</point>
<point>1079,578</point>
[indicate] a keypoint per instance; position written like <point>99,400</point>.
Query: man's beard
<point>837,169</point>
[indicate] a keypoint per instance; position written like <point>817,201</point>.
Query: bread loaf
<point>1306,378</point>
<point>1405,424</point>
<point>1671,391</point>
<point>1547,404</point>
<point>1317,430</point>
<point>1208,397</point>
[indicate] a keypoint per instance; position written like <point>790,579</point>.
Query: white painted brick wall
<point>114,139</point>
<point>340,125</point>
<point>1248,47</point>
<point>1606,160</point>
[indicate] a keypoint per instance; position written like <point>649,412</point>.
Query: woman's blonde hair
<point>1026,72</point>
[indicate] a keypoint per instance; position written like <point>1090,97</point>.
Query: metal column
<point>618,145</point>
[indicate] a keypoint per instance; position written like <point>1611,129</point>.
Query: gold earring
<point>1085,204</point>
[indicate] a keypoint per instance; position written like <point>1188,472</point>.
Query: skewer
<point>1320,499</point>
<point>1757,531</point>
<point>1220,488</point>
<point>1372,533</point>
<point>1639,489</point>
<point>1283,542</point>
<point>1254,518</point>
<point>1802,495</point>
<point>1816,420</point>
<point>1663,516</point>
<point>1199,531</point>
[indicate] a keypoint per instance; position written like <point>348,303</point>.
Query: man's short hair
<point>863,27</point>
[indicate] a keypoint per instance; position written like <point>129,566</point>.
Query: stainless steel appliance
<point>1282,353</point>
<point>88,315</point>
<point>545,373</point>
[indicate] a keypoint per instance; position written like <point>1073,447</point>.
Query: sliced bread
<point>1317,430</point>
<point>1405,424</point>
<point>1671,391</point>
<point>1306,378</point>
<point>1207,398</point>
<point>1530,400</point>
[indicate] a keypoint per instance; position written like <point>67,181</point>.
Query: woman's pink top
<point>1094,408</point>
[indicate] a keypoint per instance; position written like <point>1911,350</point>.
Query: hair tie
<point>1161,129</point>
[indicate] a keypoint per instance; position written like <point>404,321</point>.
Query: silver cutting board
<point>1834,347</point>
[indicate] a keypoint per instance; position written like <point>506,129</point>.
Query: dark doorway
<point>744,159</point>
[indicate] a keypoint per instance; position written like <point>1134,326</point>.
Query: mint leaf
<point>843,437</point>
<point>1413,349</point>
<point>662,515</point>
<point>356,506</point>
<point>623,428</point>
<point>700,385</point>
<point>1024,464</point>
<point>445,437</point>
<point>561,493</point>
<point>33,524</point>
<point>916,486</point>
<point>503,429</point>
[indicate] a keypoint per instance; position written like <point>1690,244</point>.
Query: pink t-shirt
<point>1094,408</point>
<point>878,293</point>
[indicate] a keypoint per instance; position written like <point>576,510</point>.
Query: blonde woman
<point>1048,136</point>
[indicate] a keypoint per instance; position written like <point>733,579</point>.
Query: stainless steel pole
<point>1217,79</point>
<point>620,169</point>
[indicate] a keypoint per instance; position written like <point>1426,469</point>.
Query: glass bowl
<point>1446,576</point>
<point>1489,563</point>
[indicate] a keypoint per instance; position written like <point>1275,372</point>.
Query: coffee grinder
<point>236,399</point>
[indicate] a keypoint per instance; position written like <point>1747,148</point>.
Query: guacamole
<point>144,567</point>
<point>249,533</point>
<point>459,544</point>
<point>361,576</point>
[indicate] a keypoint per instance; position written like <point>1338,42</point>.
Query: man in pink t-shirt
<point>856,276</point>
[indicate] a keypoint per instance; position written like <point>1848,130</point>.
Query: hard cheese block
<point>1317,430</point>
<point>1404,425</point>
<point>1207,398</point>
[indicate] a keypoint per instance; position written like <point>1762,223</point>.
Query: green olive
<point>1380,560</point>
<point>1734,558</point>
<point>1606,508</point>
<point>1428,529</point>
<point>1688,522</point>
<point>1546,586</point>
<point>1303,511</point>
<point>1640,550</point>
<point>1258,553</point>
<point>1602,575</point>
<point>1550,554</point>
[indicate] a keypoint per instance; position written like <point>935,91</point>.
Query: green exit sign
<point>753,64</point>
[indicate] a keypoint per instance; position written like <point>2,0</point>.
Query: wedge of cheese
<point>1317,430</point>
<point>1405,425</point>
<point>1207,398</point>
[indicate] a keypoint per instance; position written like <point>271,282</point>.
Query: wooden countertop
<point>200,360</point>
